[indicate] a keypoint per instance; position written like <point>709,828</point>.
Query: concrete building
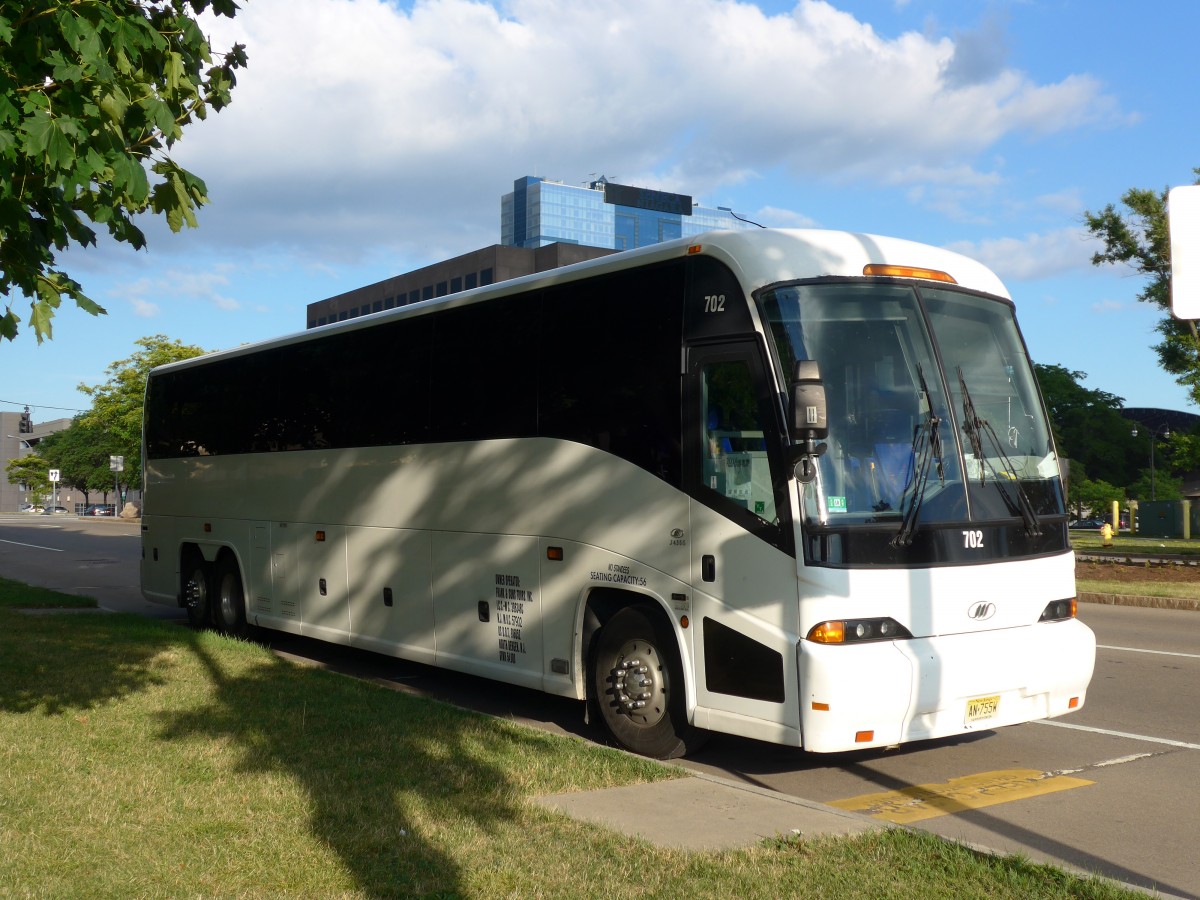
<point>475,269</point>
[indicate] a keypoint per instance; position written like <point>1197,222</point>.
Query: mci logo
<point>981,612</point>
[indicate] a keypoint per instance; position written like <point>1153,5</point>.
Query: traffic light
<point>26,423</point>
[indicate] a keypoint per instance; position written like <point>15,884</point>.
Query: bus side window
<point>735,461</point>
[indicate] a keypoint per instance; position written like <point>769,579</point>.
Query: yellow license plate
<point>980,709</point>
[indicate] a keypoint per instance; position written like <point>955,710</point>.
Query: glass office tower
<point>601,214</point>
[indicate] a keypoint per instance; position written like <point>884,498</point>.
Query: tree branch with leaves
<point>93,95</point>
<point>1139,238</point>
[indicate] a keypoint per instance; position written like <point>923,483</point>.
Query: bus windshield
<point>909,439</point>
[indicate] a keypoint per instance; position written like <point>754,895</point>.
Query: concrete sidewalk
<point>703,812</point>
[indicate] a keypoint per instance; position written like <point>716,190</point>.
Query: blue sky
<point>368,138</point>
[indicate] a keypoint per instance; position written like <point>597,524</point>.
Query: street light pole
<point>1154,435</point>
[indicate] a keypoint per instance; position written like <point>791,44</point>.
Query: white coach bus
<point>792,485</point>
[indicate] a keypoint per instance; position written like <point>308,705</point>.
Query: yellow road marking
<point>924,801</point>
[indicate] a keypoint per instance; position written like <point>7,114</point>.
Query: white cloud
<point>176,285</point>
<point>774,217</point>
<point>1033,256</point>
<point>144,309</point>
<point>359,124</point>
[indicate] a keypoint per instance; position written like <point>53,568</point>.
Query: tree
<point>1095,497</point>
<point>81,453</point>
<point>117,404</point>
<point>1141,240</point>
<point>33,472</point>
<point>1088,426</point>
<point>1160,486</point>
<point>92,97</point>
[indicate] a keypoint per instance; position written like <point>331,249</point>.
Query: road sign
<point>1183,222</point>
<point>116,463</point>
<point>54,473</point>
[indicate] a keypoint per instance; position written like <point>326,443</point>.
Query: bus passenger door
<point>744,586</point>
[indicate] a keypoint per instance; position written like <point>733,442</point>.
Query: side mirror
<point>809,422</point>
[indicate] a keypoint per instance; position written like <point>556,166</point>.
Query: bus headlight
<point>857,631</point>
<point>1057,610</point>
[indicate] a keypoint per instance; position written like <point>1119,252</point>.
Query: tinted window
<point>610,366</point>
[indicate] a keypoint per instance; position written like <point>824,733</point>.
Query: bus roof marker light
<point>887,270</point>
<point>695,248</point>
<point>320,536</point>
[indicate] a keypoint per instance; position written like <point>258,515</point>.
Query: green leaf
<point>115,103</point>
<point>37,130</point>
<point>88,305</point>
<point>8,325</point>
<point>60,152</point>
<point>173,71</point>
<point>8,112</point>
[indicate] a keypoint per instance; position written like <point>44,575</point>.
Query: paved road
<point>1124,770</point>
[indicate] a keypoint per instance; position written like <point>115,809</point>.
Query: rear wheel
<point>229,609</point>
<point>638,683</point>
<point>197,591</point>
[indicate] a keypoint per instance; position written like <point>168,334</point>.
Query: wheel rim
<point>196,591</point>
<point>640,687</point>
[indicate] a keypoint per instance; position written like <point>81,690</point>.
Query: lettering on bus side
<point>510,616</point>
<point>619,574</point>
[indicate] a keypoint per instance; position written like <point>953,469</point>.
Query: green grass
<point>1141,588</point>
<point>138,758</point>
<point>1133,545</point>
<point>14,595</point>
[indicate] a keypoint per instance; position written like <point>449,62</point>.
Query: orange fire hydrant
<point>1106,534</point>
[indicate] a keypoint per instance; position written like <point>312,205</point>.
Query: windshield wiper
<point>926,447</point>
<point>976,429</point>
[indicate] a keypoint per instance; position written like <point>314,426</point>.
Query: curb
<point>1137,600</point>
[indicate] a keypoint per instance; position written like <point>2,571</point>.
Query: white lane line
<point>1158,652</point>
<point>1120,760</point>
<point>1124,734</point>
<point>34,546</point>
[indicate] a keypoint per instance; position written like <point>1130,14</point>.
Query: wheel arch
<point>211,553</point>
<point>601,604</point>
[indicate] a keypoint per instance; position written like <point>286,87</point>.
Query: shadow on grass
<point>390,784</point>
<point>62,663</point>
<point>380,770</point>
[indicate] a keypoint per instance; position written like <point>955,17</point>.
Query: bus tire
<point>637,680</point>
<point>229,606</point>
<point>196,585</point>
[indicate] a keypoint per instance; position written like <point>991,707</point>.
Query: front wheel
<point>638,683</point>
<point>230,607</point>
